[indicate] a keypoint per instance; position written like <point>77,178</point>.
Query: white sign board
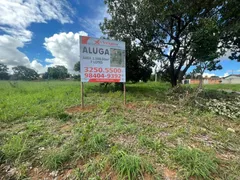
<point>102,60</point>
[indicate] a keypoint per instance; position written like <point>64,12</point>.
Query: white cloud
<point>38,67</point>
<point>208,74</point>
<point>10,55</point>
<point>64,47</point>
<point>226,74</point>
<point>17,15</point>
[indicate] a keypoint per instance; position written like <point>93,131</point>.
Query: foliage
<point>57,72</point>
<point>195,162</point>
<point>138,66</point>
<point>205,47</point>
<point>222,107</point>
<point>45,75</point>
<point>170,29</point>
<point>77,66</point>
<point>24,73</point>
<point>3,72</point>
<point>230,27</point>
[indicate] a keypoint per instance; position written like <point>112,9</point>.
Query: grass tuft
<point>55,158</point>
<point>15,147</point>
<point>195,162</point>
<point>97,143</point>
<point>157,146</point>
<point>129,166</point>
<point>2,157</point>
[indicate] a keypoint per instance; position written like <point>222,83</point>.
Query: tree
<point>138,65</point>
<point>205,47</point>
<point>166,27</point>
<point>77,69</point>
<point>24,73</point>
<point>57,72</point>
<point>3,72</point>
<point>45,75</point>
<point>77,66</point>
<point>230,27</point>
<point>203,66</point>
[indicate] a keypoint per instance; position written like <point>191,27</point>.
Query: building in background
<point>231,79</point>
<point>206,80</point>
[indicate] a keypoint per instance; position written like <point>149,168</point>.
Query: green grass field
<point>44,133</point>
<point>232,87</point>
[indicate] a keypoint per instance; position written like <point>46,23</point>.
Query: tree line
<point>26,73</point>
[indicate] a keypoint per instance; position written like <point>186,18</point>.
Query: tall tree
<point>24,73</point>
<point>3,72</point>
<point>165,26</point>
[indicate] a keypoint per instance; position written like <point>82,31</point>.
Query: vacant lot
<point>160,134</point>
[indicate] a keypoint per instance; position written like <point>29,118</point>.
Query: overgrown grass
<point>158,129</point>
<point>195,162</point>
<point>15,148</point>
<point>130,166</point>
<point>54,158</point>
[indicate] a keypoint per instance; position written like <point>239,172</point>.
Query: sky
<point>44,33</point>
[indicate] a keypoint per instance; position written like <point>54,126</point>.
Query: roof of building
<point>238,75</point>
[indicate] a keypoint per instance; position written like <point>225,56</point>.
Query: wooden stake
<point>124,92</point>
<point>82,92</point>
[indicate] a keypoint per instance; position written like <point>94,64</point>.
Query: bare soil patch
<point>78,109</point>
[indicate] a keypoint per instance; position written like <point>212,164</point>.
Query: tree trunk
<point>180,77</point>
<point>173,75</point>
<point>183,72</point>
<point>201,81</point>
<point>173,79</point>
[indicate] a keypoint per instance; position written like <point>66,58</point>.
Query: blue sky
<point>39,34</point>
